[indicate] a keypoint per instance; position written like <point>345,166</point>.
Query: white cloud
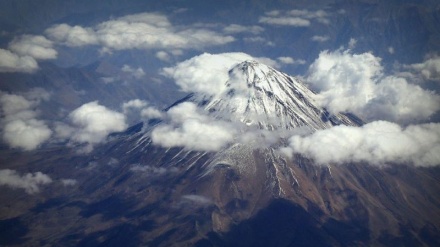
<point>11,62</point>
<point>72,36</point>
<point>63,131</point>
<point>285,21</point>
<point>188,127</point>
<point>37,95</point>
<point>136,73</point>
<point>290,60</point>
<point>345,81</point>
<point>26,134</point>
<point>377,143</point>
<point>142,107</point>
<point>151,112</point>
<point>319,38</point>
<point>429,69</point>
<point>163,56</point>
<point>20,126</point>
<point>29,182</point>
<point>139,31</point>
<point>134,104</point>
<point>356,83</point>
<point>295,17</point>
<point>208,73</point>
<point>318,15</point>
<point>37,47</point>
<point>235,28</point>
<point>93,122</point>
<point>396,99</point>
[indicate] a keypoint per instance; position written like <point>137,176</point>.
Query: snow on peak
<point>256,94</point>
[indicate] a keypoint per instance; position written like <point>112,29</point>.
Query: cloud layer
<point>37,47</point>
<point>429,69</point>
<point>11,62</point>
<point>92,123</point>
<point>23,53</point>
<point>138,31</point>
<point>30,182</point>
<point>20,126</point>
<point>188,127</point>
<point>377,143</point>
<point>356,83</point>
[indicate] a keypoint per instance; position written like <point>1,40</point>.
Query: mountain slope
<point>259,95</point>
<point>133,192</point>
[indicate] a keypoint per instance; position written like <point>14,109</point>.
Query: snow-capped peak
<point>257,94</point>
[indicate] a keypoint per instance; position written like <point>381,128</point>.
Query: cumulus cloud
<point>135,73</point>
<point>163,56</point>
<point>193,128</point>
<point>72,36</point>
<point>188,127</point>
<point>93,122</point>
<point>429,69</point>
<point>20,126</point>
<point>30,182</point>
<point>208,73</point>
<point>138,31</point>
<point>357,83</point>
<point>151,112</point>
<point>26,134</point>
<point>319,38</point>
<point>377,143</point>
<point>295,17</point>
<point>11,62</point>
<point>34,46</point>
<point>134,104</point>
<point>142,107</point>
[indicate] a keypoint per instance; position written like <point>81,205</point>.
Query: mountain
<point>133,192</point>
<point>260,95</point>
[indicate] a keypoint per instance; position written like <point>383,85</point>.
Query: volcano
<point>256,94</point>
<point>134,192</point>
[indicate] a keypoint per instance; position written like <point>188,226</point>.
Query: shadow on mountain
<point>49,204</point>
<point>285,224</point>
<point>110,208</point>
<point>12,232</point>
<point>429,234</point>
<point>121,235</point>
